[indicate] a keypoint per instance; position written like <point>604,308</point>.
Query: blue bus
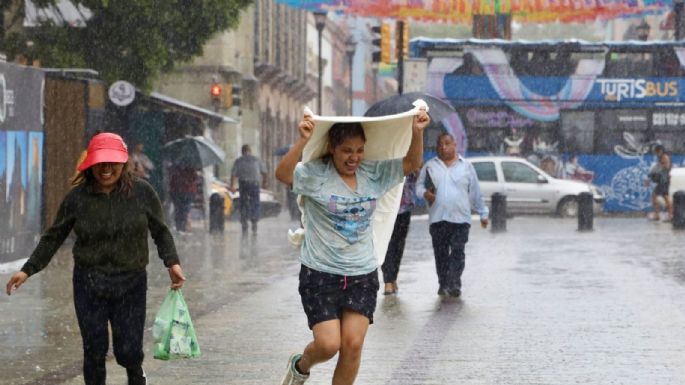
<point>608,103</point>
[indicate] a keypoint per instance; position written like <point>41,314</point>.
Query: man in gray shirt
<point>251,175</point>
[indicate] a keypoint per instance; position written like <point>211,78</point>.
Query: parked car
<point>677,180</point>
<point>530,190</point>
<point>268,205</point>
<point>221,188</point>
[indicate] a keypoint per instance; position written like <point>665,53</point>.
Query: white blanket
<point>387,137</point>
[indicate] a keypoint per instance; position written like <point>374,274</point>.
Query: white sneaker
<point>292,376</point>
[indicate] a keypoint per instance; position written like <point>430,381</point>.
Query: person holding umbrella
<point>393,256</point>
<point>186,156</point>
<point>111,212</point>
<point>339,268</point>
<point>183,188</point>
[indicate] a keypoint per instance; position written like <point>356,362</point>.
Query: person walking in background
<point>393,256</point>
<point>142,165</point>
<point>251,175</point>
<point>111,212</point>
<point>339,270</point>
<point>453,191</point>
<point>182,188</point>
<point>661,175</point>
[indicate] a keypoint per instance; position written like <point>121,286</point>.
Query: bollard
<point>585,212</point>
<point>498,215</point>
<point>216,213</point>
<point>679,209</point>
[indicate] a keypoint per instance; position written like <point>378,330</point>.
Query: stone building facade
<point>272,56</point>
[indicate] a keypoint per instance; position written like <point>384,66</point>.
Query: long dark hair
<point>124,184</point>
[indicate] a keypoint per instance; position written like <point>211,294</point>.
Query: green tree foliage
<point>133,40</point>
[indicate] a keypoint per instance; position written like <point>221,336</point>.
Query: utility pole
<point>678,11</point>
<point>400,56</point>
<point>320,23</point>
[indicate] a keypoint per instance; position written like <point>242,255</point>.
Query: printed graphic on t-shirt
<point>352,215</point>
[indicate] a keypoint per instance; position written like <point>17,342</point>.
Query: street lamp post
<point>374,69</point>
<point>320,22</point>
<point>350,47</point>
<point>678,11</point>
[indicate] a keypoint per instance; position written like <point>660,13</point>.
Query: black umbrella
<point>444,117</point>
<point>193,152</point>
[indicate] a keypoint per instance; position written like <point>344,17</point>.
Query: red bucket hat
<point>105,148</point>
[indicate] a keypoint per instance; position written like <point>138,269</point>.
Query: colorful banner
<point>462,11</point>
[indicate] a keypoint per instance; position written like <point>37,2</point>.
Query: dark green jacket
<point>111,230</point>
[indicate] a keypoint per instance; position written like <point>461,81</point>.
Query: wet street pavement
<point>541,304</point>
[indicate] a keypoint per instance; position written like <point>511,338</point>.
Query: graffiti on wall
<point>624,177</point>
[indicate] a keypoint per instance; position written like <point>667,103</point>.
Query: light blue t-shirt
<point>337,220</point>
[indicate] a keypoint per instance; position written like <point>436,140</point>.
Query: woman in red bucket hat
<point>110,212</point>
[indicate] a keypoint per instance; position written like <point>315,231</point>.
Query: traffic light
<point>385,43</point>
<point>381,41</point>
<point>215,94</point>
<point>402,30</point>
<point>376,42</point>
<point>235,92</point>
<point>234,98</point>
<point>215,91</point>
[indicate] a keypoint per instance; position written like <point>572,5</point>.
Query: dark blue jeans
<point>117,299</point>
<point>449,240</point>
<point>249,203</point>
<point>393,257</point>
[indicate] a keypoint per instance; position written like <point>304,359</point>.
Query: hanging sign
<point>122,93</point>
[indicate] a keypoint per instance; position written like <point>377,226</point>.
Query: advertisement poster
<point>21,159</point>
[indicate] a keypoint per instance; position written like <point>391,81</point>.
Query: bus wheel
<point>568,207</point>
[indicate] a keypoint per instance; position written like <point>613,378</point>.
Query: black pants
<point>449,240</point>
<point>182,202</point>
<point>119,299</point>
<point>393,257</point>
<point>249,203</point>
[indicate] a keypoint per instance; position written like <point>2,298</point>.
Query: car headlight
<point>596,192</point>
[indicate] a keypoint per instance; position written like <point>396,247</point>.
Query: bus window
<point>667,63</point>
<point>629,65</point>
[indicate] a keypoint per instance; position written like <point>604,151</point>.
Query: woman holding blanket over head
<point>339,277</point>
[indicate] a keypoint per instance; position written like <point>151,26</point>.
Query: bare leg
<point>669,206</point>
<point>325,345</point>
<point>655,204</point>
<point>354,327</point>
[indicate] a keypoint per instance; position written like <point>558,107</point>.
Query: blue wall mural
<point>21,159</point>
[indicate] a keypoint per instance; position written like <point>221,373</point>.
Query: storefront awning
<point>62,13</point>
